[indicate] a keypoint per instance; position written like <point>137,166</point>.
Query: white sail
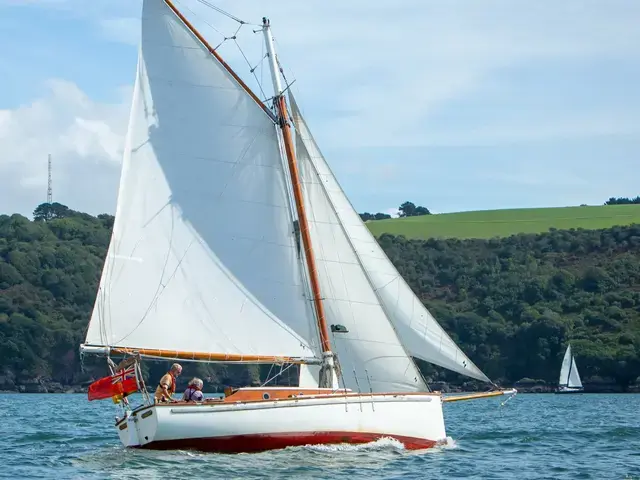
<point>202,257</point>
<point>574,376</point>
<point>370,353</point>
<point>569,375</point>
<point>566,367</point>
<point>349,253</point>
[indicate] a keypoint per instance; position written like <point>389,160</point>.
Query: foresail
<point>202,256</point>
<point>370,353</point>
<point>574,376</point>
<point>566,366</point>
<point>419,332</point>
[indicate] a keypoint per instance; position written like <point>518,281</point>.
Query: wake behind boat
<point>569,381</point>
<point>234,242</point>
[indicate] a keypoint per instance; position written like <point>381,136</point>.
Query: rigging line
<point>282,370</point>
<point>204,21</point>
<point>251,69</point>
<point>223,12</point>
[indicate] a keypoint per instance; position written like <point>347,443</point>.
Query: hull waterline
<point>567,390</point>
<point>415,420</point>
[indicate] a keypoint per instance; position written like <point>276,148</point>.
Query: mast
<point>285,126</point>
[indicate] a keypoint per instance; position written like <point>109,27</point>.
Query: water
<point>532,436</point>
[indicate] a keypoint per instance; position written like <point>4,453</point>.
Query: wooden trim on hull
<point>273,441</point>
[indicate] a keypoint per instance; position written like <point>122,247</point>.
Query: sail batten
<point>203,209</point>
<point>417,330</point>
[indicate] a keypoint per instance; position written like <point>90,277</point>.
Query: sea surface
<point>583,436</point>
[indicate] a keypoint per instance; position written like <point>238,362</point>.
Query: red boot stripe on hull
<point>271,441</point>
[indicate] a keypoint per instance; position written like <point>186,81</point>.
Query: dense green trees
<point>366,216</point>
<point>512,303</point>
<point>623,201</point>
<point>409,209</point>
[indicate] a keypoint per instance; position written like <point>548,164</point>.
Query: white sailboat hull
<point>570,390</point>
<point>416,420</point>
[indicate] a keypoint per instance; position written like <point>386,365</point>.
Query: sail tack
<point>202,256</point>
<point>363,287</point>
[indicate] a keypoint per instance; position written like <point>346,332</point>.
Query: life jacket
<point>172,388</point>
<point>188,394</point>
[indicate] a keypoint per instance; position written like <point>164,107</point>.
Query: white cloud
<point>368,74</point>
<point>84,138</point>
<point>122,29</point>
<point>394,68</point>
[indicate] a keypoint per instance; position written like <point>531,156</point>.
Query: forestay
<point>362,287</point>
<point>203,256</point>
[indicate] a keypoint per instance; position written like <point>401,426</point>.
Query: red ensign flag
<point>122,383</point>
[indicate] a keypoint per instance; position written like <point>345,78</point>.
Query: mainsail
<point>569,375</point>
<point>362,288</point>
<point>202,257</point>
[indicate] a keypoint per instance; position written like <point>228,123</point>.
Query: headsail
<point>368,289</point>
<point>202,256</point>
<point>371,348</point>
<point>574,376</point>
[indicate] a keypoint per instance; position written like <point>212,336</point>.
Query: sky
<point>456,105</point>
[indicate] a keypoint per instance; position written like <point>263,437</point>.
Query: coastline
<point>43,386</point>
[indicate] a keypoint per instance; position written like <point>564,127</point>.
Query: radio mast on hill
<point>49,189</point>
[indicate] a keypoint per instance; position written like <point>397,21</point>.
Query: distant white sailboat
<point>207,263</point>
<point>569,377</point>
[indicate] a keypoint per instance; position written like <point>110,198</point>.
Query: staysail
<point>569,375</point>
<point>202,257</point>
<point>361,286</point>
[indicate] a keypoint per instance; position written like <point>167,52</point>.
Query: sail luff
<point>213,52</point>
<point>285,127</point>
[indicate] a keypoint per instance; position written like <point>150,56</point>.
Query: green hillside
<point>503,223</point>
<point>512,304</point>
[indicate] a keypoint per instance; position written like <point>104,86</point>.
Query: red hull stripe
<point>262,442</point>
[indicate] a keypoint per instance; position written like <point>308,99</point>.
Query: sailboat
<point>569,381</point>
<point>233,242</point>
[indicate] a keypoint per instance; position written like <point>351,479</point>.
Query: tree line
<point>407,209</point>
<point>512,304</point>
<point>623,201</point>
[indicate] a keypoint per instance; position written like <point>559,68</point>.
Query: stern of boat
<point>137,427</point>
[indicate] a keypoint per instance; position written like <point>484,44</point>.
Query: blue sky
<point>457,105</point>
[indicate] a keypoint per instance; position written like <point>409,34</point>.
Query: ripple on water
<point>533,436</point>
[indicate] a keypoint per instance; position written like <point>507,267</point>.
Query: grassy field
<point>502,223</point>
